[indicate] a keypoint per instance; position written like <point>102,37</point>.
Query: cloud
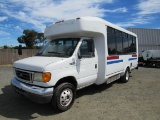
<point>61,10</point>
<point>70,9</point>
<point>3,18</point>
<point>118,10</point>
<point>145,10</point>
<point>18,28</point>
<point>136,21</point>
<point>22,16</point>
<point>147,7</point>
<point>41,12</point>
<point>3,33</point>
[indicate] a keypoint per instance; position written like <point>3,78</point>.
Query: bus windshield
<point>63,47</point>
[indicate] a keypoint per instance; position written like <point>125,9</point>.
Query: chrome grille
<point>24,75</point>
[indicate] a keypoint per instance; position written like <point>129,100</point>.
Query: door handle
<point>96,66</point>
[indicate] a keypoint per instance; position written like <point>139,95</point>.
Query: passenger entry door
<point>87,63</point>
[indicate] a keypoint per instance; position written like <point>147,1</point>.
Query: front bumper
<point>34,93</point>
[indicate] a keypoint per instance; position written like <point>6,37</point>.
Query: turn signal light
<point>46,76</point>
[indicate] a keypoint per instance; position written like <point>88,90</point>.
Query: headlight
<point>38,77</point>
<point>42,77</point>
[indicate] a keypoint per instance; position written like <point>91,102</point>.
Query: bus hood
<point>36,63</point>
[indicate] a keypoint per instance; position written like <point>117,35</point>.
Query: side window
<point>119,42</point>
<point>133,45</point>
<point>111,41</point>
<point>125,44</point>
<point>130,42</point>
<point>87,48</point>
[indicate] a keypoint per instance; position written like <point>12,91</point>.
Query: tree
<point>31,38</point>
<point>40,38</point>
<point>5,46</point>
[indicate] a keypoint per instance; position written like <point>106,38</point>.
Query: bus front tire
<point>63,97</point>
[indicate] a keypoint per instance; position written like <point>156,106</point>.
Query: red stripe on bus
<point>134,55</point>
<point>112,57</point>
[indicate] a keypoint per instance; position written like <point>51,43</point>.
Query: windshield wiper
<point>55,52</point>
<point>60,54</point>
<point>38,54</point>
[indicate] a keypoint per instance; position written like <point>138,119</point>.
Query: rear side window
<point>120,43</point>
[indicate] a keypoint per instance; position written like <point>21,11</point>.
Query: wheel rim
<point>66,97</point>
<point>127,75</point>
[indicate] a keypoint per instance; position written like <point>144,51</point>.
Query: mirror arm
<point>79,55</point>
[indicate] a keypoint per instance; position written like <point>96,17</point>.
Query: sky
<point>18,15</point>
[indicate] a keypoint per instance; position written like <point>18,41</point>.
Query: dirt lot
<point>139,99</point>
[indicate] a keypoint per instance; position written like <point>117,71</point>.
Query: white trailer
<point>151,58</point>
<point>80,52</point>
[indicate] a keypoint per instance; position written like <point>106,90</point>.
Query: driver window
<point>87,48</point>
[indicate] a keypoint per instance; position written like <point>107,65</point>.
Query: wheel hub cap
<point>66,97</point>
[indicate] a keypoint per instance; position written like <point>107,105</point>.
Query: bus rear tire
<point>126,76</point>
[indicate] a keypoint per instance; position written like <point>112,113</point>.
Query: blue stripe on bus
<point>113,62</point>
<point>132,59</point>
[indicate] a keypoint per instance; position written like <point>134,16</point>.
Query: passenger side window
<point>120,43</point>
<point>87,48</point>
<point>125,44</point>
<point>111,41</point>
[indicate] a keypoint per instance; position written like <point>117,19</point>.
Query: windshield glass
<point>63,47</point>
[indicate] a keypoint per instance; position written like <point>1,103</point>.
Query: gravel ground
<point>139,99</point>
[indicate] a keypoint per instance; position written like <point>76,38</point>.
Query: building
<point>148,39</point>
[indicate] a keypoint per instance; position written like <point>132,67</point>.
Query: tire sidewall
<point>123,79</point>
<point>127,72</point>
<point>56,97</point>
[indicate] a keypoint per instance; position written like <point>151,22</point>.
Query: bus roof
<point>82,26</point>
<point>107,23</point>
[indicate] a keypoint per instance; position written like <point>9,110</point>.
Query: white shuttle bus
<point>80,52</point>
